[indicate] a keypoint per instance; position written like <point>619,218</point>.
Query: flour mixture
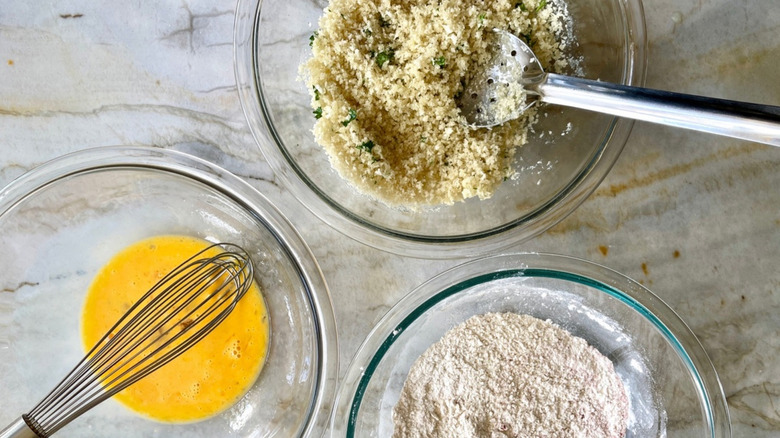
<point>509,375</point>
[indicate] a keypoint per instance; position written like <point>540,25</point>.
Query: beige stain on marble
<point>728,154</point>
<point>740,175</point>
<point>739,72</point>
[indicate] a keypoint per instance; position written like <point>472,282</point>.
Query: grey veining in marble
<point>694,217</point>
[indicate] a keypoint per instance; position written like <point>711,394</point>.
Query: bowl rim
<point>243,195</point>
<point>512,265</point>
<point>250,90</point>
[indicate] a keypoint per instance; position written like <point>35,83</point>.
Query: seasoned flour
<point>510,375</point>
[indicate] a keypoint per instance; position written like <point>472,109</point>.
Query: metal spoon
<point>494,88</point>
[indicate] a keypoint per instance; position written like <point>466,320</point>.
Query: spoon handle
<point>749,121</point>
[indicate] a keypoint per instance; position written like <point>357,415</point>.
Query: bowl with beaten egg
<point>530,344</point>
<point>355,106</point>
<point>86,234</point>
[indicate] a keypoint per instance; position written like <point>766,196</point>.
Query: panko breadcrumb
<point>384,76</point>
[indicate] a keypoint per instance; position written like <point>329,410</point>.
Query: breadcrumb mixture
<point>384,76</point>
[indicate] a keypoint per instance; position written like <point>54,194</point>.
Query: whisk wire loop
<point>177,312</point>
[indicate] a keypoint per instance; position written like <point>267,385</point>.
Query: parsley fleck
<point>423,139</point>
<point>521,5</point>
<point>541,6</point>
<point>312,38</point>
<point>384,57</point>
<point>352,115</point>
<point>316,93</point>
<point>366,146</point>
<point>318,112</point>
<point>440,61</point>
<point>482,18</point>
<point>383,22</point>
<point>367,31</point>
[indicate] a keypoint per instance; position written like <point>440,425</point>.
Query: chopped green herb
<point>312,38</point>
<point>481,18</point>
<point>316,93</point>
<point>541,6</point>
<point>366,146</point>
<point>521,5</point>
<point>372,53</point>
<point>440,61</point>
<point>423,139</point>
<point>384,56</point>
<point>318,112</point>
<point>352,115</point>
<point>367,31</point>
<point>383,22</point>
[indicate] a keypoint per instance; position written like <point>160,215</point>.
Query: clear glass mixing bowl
<point>62,221</point>
<point>556,172</point>
<point>672,385</point>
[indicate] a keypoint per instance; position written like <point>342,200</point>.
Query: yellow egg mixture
<point>213,374</point>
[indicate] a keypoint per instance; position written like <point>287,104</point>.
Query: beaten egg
<point>208,378</point>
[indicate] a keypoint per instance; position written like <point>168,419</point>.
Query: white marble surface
<point>696,218</point>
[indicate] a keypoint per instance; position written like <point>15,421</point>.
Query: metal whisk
<point>181,309</point>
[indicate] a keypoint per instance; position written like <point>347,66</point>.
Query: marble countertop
<point>694,217</point>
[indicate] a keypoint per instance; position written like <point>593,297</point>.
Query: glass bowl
<point>62,221</point>
<point>556,172</point>
<point>672,386</point>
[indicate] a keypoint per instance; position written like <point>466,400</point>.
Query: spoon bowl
<point>513,80</point>
<point>505,87</point>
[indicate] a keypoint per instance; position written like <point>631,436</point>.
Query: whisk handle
<point>18,429</point>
